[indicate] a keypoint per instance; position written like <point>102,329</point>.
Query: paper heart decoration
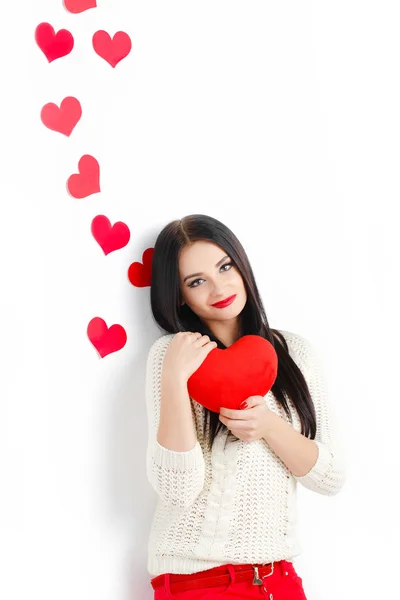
<point>227,377</point>
<point>106,340</point>
<point>62,119</point>
<point>110,238</point>
<point>78,6</point>
<point>112,50</point>
<point>139,274</point>
<point>86,182</point>
<point>53,45</point>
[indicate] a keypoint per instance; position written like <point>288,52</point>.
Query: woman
<point>225,522</point>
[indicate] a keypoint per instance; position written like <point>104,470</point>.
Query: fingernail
<point>243,405</point>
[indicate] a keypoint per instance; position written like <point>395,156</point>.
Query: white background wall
<point>280,119</point>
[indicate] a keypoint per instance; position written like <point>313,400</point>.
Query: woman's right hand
<point>186,352</point>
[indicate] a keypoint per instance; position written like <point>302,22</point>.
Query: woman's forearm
<point>176,429</point>
<point>297,452</point>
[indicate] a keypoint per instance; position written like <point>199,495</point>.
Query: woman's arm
<point>176,430</point>
<point>317,464</point>
<point>175,461</point>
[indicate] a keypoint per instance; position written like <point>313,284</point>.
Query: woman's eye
<point>228,264</point>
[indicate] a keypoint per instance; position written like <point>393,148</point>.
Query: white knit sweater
<point>238,505</point>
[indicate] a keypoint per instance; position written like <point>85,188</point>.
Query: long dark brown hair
<point>172,317</point>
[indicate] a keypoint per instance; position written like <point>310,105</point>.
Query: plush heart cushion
<point>227,377</point>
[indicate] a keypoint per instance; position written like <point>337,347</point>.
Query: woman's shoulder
<point>156,353</point>
<point>300,347</point>
<point>161,343</point>
<point>292,337</point>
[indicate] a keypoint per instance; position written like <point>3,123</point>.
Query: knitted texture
<point>238,504</point>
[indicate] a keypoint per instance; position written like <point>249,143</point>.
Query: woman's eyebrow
<point>196,274</point>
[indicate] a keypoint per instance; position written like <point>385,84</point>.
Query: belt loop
<point>231,573</point>
<point>167,584</point>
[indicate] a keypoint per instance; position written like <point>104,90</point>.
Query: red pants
<point>281,583</point>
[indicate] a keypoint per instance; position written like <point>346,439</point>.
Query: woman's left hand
<point>248,424</point>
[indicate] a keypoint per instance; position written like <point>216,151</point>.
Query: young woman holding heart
<point>226,474</point>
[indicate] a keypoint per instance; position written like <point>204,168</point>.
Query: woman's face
<point>206,277</point>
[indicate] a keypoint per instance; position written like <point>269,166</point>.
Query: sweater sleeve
<point>177,477</point>
<point>328,474</point>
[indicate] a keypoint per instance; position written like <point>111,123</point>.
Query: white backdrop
<point>282,120</point>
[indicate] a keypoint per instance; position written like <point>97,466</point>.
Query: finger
<point>254,401</point>
<point>201,340</point>
<point>233,414</point>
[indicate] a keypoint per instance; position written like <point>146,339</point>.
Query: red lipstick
<point>225,302</point>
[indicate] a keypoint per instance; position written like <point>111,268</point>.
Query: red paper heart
<point>106,340</point>
<point>62,119</point>
<point>78,6</point>
<point>112,50</point>
<point>87,181</point>
<point>227,377</point>
<point>110,238</point>
<point>51,44</point>
<point>139,274</point>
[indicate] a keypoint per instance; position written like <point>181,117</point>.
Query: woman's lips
<point>225,302</point>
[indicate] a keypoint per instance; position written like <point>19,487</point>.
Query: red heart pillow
<point>227,377</point>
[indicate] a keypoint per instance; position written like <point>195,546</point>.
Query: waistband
<point>176,583</point>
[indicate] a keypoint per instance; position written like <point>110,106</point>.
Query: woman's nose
<point>217,290</point>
